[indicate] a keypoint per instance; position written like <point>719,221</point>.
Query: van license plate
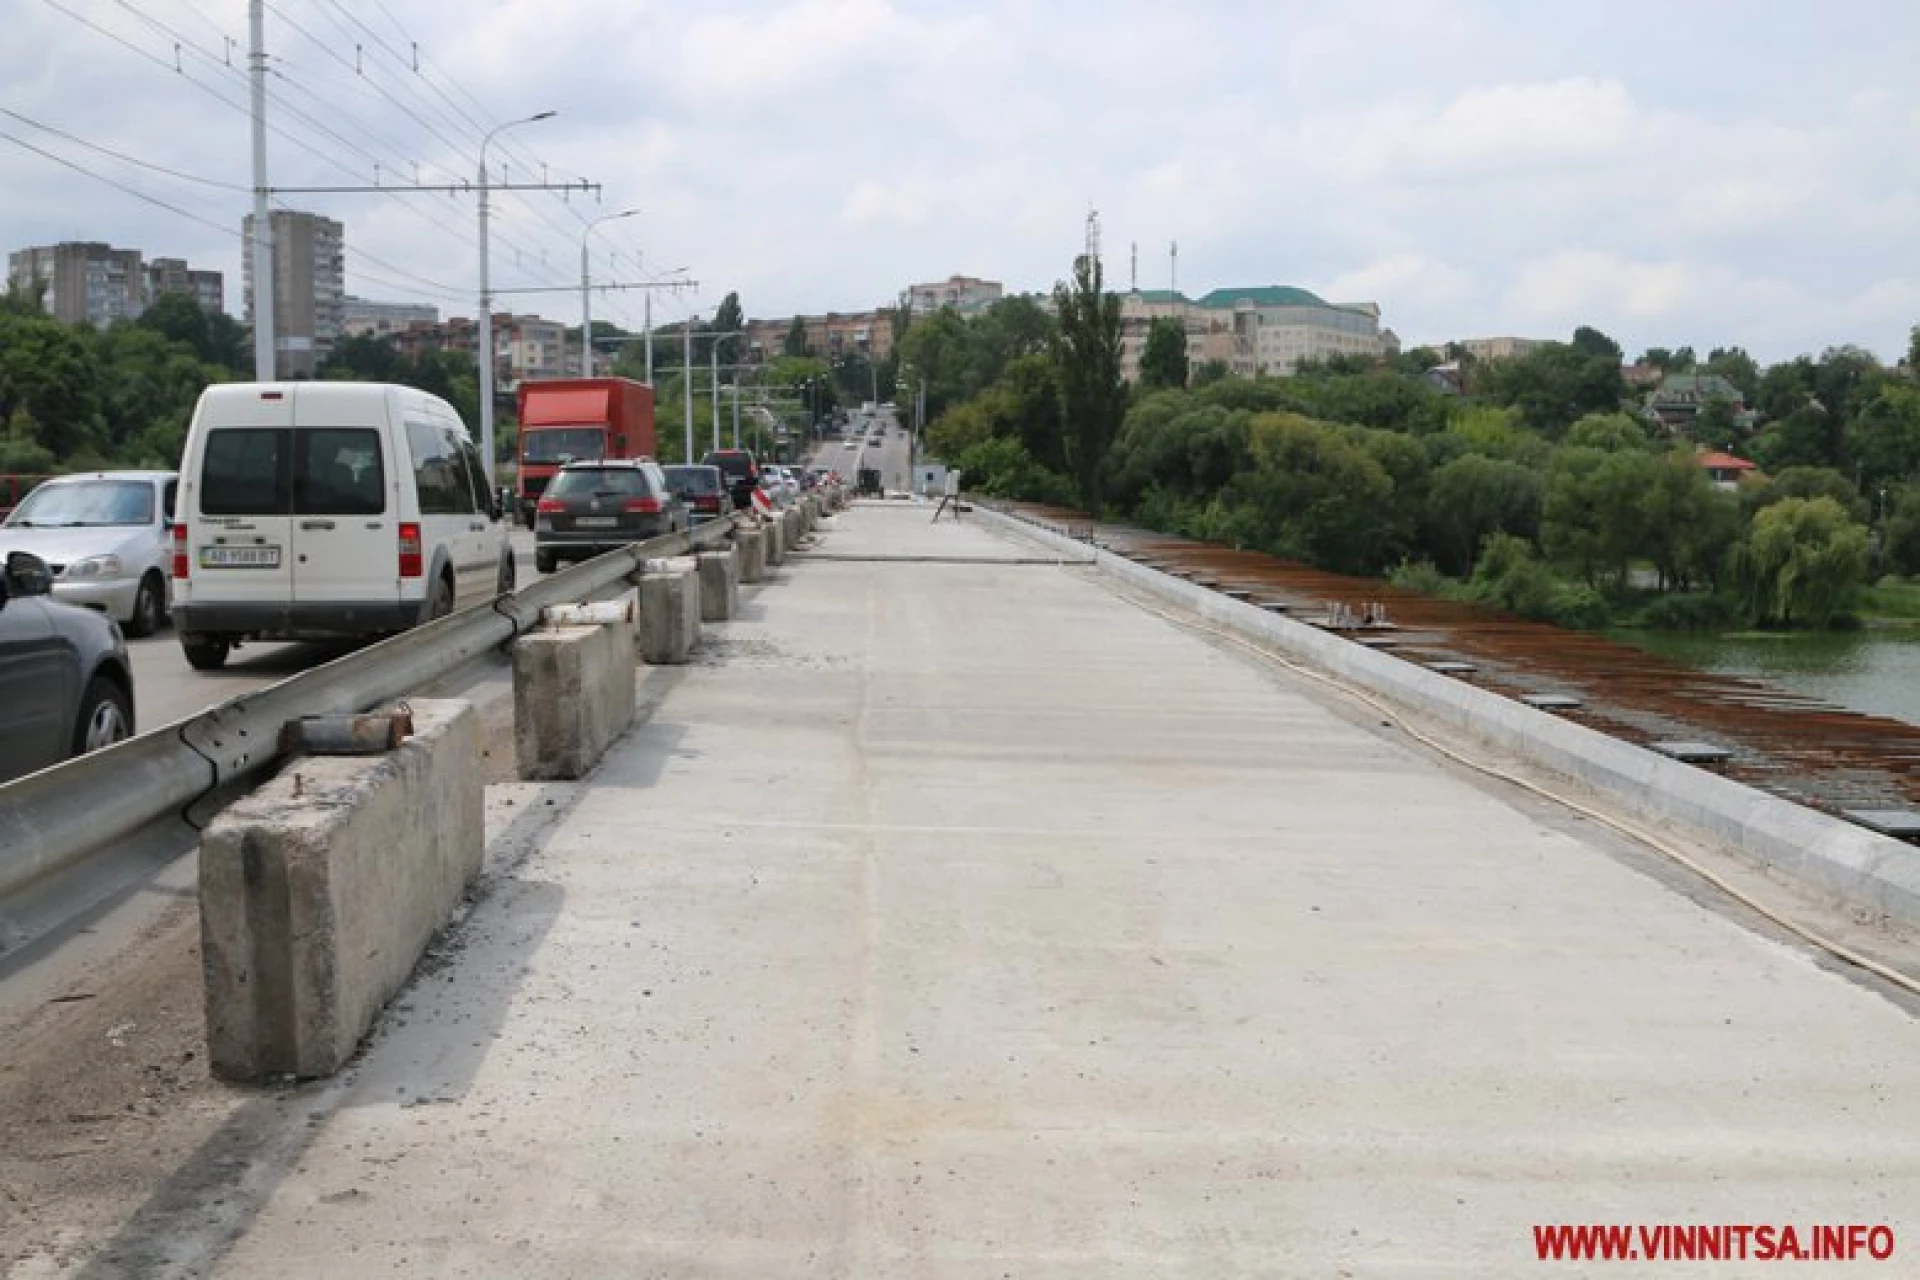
<point>239,557</point>
<point>597,522</point>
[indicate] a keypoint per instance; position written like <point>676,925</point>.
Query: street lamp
<point>586,305</point>
<point>486,297</point>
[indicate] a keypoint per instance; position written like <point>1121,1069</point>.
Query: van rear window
<point>271,471</point>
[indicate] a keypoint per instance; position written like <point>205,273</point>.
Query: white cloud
<point>1474,166</point>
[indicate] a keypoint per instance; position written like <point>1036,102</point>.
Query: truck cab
<point>566,420</point>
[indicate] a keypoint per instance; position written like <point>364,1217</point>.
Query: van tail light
<point>643,506</point>
<point>549,506</point>
<point>180,567</point>
<point>707,502</point>
<point>410,566</point>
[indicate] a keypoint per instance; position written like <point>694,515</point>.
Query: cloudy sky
<point>1691,171</point>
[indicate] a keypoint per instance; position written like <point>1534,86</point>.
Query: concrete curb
<point>1828,854</point>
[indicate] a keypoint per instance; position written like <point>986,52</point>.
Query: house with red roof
<point>1725,470</point>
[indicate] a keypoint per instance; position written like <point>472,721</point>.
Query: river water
<point>1876,671</point>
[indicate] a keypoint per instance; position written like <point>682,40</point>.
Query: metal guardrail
<point>64,815</point>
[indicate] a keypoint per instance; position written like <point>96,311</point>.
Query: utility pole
<point>264,366</point>
<point>713,361</point>
<point>486,301</point>
<point>586,305</point>
<point>686,390</point>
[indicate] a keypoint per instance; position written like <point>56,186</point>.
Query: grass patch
<point>1891,600</point>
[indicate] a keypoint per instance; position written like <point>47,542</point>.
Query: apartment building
<point>1267,330</point>
<point>963,293</point>
<point>1500,348</point>
<point>527,347</point>
<point>830,337</point>
<point>309,288</point>
<point>361,316</point>
<point>173,275</point>
<point>85,282</point>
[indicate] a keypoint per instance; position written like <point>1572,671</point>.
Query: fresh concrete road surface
<point>962,920</point>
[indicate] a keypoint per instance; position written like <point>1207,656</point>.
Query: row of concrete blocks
<point>320,890</point>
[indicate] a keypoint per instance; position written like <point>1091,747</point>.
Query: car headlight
<point>95,567</point>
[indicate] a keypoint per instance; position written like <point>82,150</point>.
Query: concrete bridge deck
<point>961,920</point>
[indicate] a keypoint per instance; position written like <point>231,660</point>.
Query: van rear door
<point>345,535</point>
<point>240,521</point>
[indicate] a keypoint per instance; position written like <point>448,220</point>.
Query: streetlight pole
<point>713,375</point>
<point>586,304</point>
<point>486,299</point>
<point>686,386</point>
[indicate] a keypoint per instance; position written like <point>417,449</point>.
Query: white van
<point>318,510</point>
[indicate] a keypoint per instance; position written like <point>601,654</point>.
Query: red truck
<point>577,419</point>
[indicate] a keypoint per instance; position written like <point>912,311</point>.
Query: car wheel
<point>149,606</point>
<point>544,561</point>
<point>206,653</point>
<point>105,717</point>
<point>442,602</point>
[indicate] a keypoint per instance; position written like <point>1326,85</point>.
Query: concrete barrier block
<point>320,890</point>
<point>751,546</point>
<point>719,585</point>
<point>573,689</point>
<point>775,532</point>
<point>669,611</point>
<point>792,519</point>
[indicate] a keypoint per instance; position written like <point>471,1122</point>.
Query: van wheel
<point>205,653</point>
<point>442,603</point>
<point>105,717</point>
<point>506,574</point>
<point>149,606</point>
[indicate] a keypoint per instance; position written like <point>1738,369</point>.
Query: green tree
<point>1802,563</point>
<point>1715,425</point>
<point>1612,432</point>
<point>1885,437</point>
<point>1594,519</point>
<point>1313,494</point>
<point>1689,526</point>
<point>729,321</point>
<point>1556,385</point>
<point>796,343</point>
<point>1086,349</point>
<point>1163,361</point>
<point>1737,367</point>
<point>1474,496</point>
<point>1804,482</point>
<point>50,380</point>
<point>1208,372</point>
<point>1590,342</point>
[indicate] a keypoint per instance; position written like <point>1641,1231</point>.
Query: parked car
<point>742,470</point>
<point>789,483</point>
<point>324,510</point>
<point>66,686</point>
<point>593,507</point>
<point>703,490</point>
<point>104,535</point>
<point>774,485</point>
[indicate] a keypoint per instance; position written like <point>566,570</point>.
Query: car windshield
<point>554,444</point>
<point>581,482</point>
<point>693,479</point>
<point>85,503</point>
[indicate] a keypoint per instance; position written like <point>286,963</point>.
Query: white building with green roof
<point>1270,329</point>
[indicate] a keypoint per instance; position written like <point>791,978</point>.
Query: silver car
<point>105,535</point>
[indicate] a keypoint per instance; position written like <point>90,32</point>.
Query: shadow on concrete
<point>426,1050</point>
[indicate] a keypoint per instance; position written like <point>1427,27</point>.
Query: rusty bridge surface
<point>1806,750</point>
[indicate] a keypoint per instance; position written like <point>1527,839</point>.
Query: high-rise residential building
<point>84,282</point>
<point>309,288</point>
<point>962,293</point>
<point>360,316</point>
<point>1270,329</point>
<point>173,275</point>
